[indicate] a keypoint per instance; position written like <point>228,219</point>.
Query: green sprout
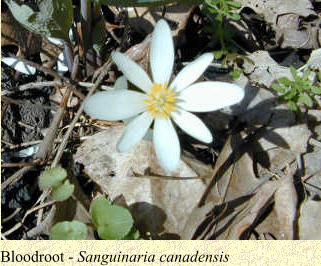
<point>54,179</point>
<point>222,9</point>
<point>73,230</point>
<point>112,221</point>
<point>299,90</point>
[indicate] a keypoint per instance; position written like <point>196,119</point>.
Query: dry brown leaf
<point>265,70</point>
<point>159,206</point>
<point>270,10</point>
<point>176,14</point>
<point>312,170</point>
<point>140,52</point>
<point>310,220</point>
<point>285,207</point>
<point>233,173</point>
<point>287,135</point>
<point>193,223</point>
<point>291,33</point>
<point>248,215</point>
<point>230,220</point>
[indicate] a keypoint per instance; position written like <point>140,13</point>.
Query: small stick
<point>46,146</point>
<point>19,102</point>
<point>79,112</point>
<point>15,177</point>
<point>11,165</point>
<point>38,85</point>
<point>11,215</point>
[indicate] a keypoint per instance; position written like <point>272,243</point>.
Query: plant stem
<point>68,54</point>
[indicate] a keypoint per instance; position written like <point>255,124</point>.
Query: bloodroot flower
<point>161,101</point>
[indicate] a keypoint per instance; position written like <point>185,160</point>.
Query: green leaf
<point>293,106</point>
<point>316,89</point>
<point>306,74</point>
<point>54,18</point>
<point>290,94</point>
<point>62,192</point>
<point>52,177</point>
<point>305,99</point>
<point>112,222</point>
<point>236,73</point>
<point>98,206</point>
<point>233,16</point>
<point>234,4</point>
<point>286,81</point>
<point>69,231</point>
<point>295,74</point>
<point>220,53</point>
<point>277,87</point>
<point>133,234</point>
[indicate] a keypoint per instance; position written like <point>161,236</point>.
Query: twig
<point>63,144</point>
<point>15,177</point>
<point>10,165</point>
<point>46,204</point>
<point>11,215</point>
<point>24,144</point>
<point>68,54</point>
<point>46,146</point>
<point>38,85</point>
<point>172,177</point>
<point>12,229</point>
<point>19,102</point>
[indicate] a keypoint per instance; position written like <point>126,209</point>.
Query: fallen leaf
<point>270,10</point>
<point>265,70</point>
<point>309,220</point>
<point>159,206</point>
<point>285,207</point>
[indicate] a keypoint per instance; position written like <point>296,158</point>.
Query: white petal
<point>62,64</point>
<point>56,41</point>
<point>161,53</point>
<point>191,72</point>
<point>18,65</point>
<point>166,144</point>
<point>133,72</point>
<point>192,125</point>
<point>121,83</point>
<point>71,35</point>
<point>135,131</point>
<point>115,105</point>
<point>209,96</point>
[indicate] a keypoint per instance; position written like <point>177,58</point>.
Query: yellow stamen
<point>161,101</point>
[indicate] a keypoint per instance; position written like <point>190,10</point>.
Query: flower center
<point>161,101</point>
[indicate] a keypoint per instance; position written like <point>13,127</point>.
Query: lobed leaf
<point>74,230</point>
<point>112,222</point>
<point>62,192</point>
<point>52,177</point>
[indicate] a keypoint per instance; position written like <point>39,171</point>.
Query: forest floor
<point>260,178</point>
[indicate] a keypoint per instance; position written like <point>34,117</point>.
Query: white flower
<point>161,102</point>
